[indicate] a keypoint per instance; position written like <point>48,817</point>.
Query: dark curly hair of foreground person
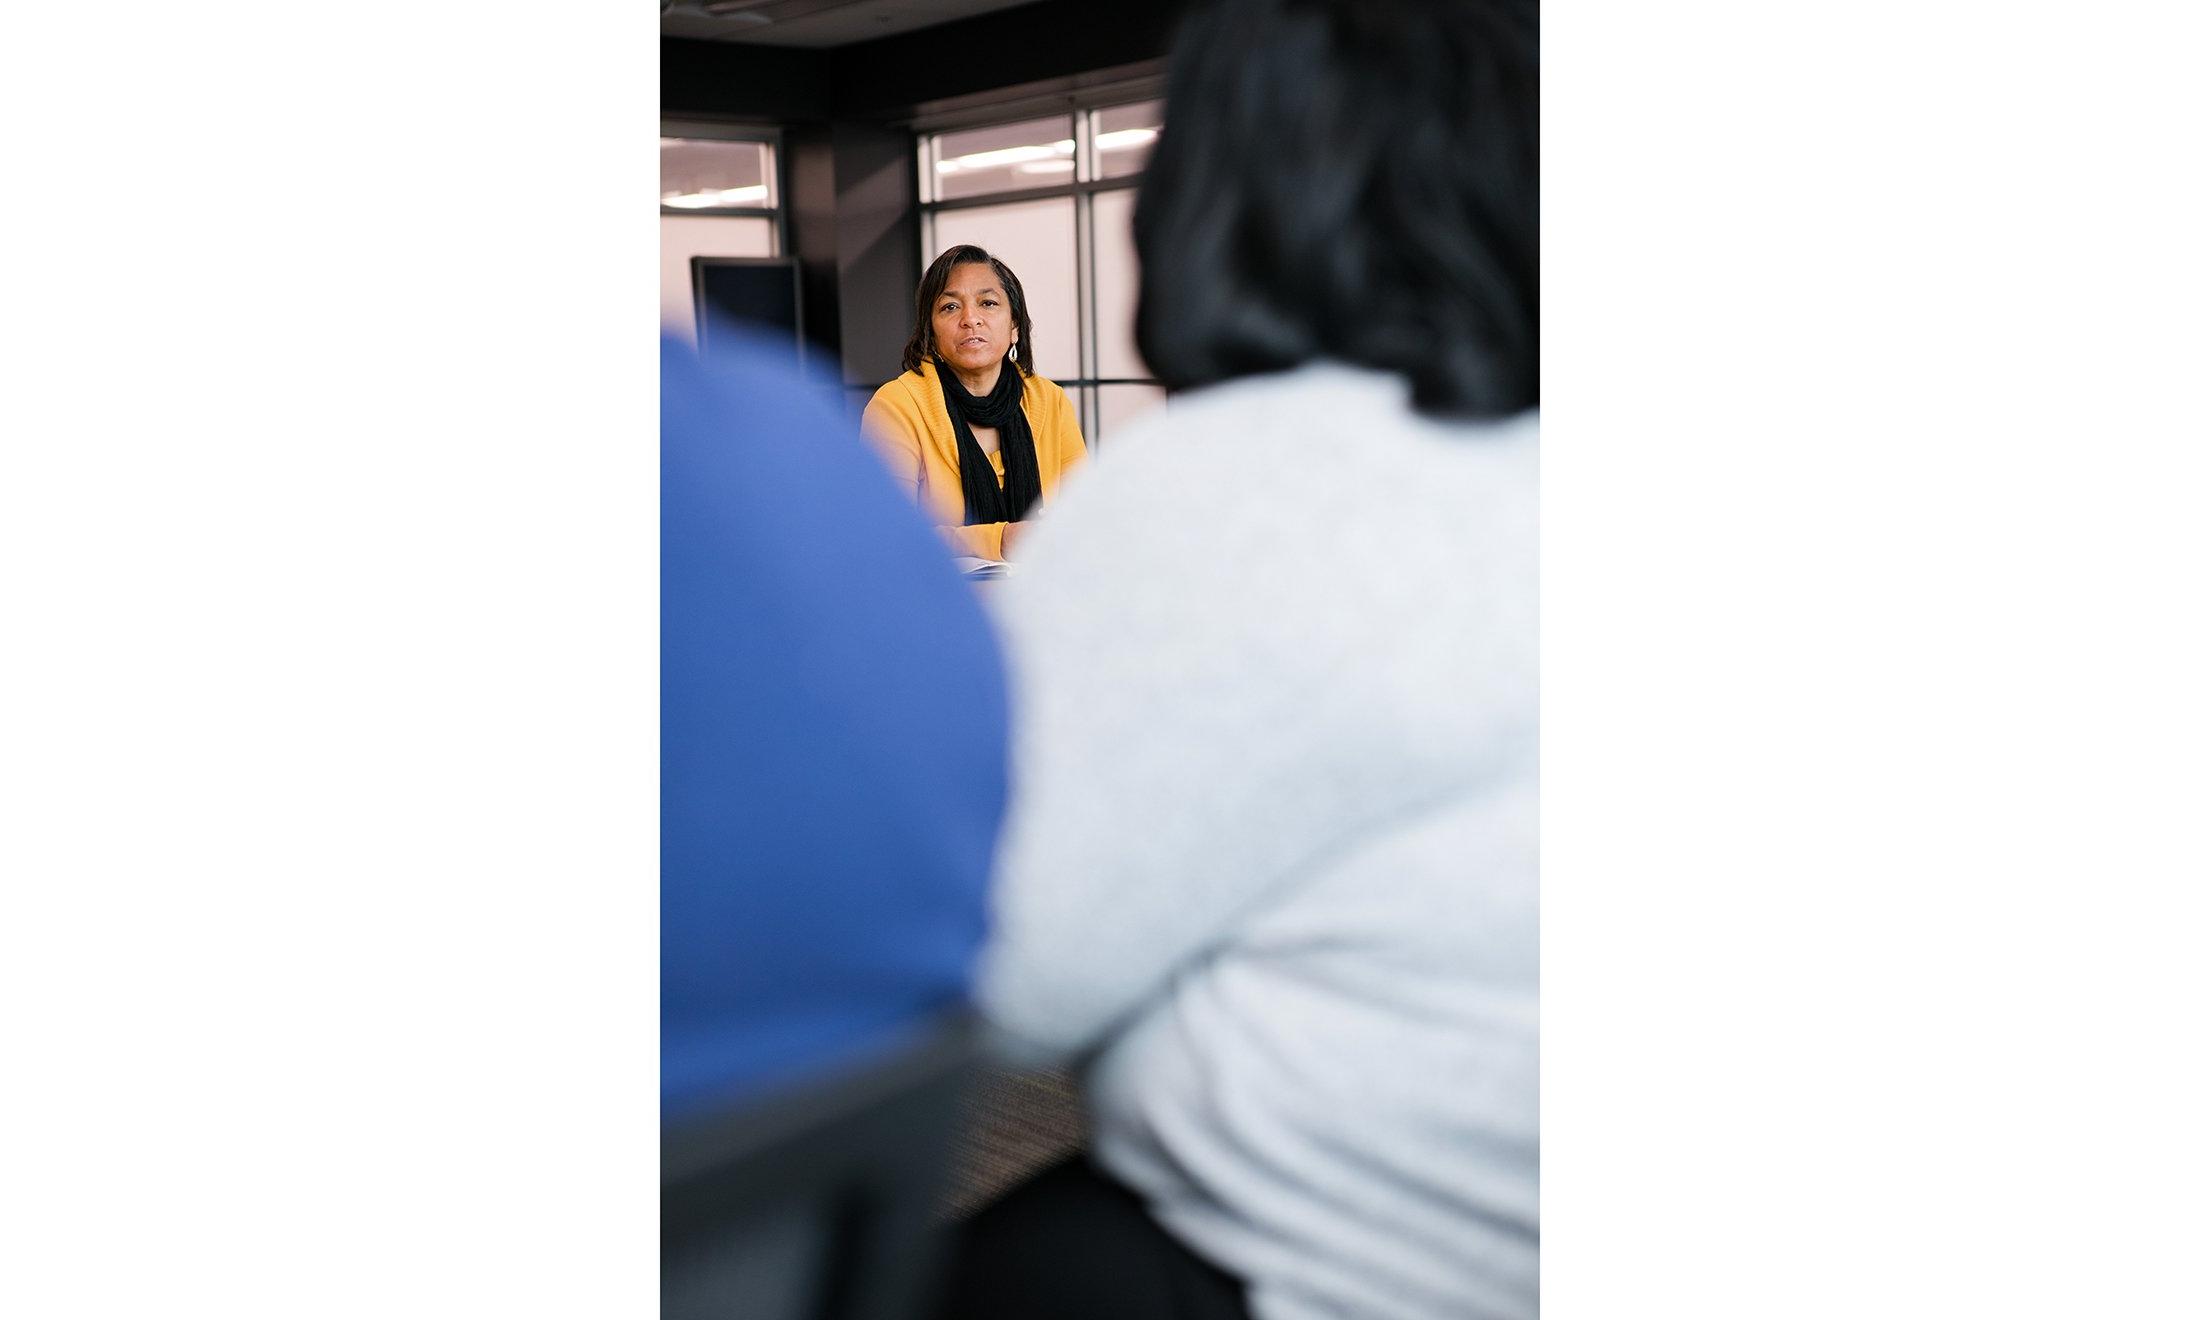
<point>1367,192</point>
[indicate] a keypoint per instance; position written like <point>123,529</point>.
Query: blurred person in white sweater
<point>1270,874</point>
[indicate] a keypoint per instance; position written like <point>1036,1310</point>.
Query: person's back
<point>1276,844</point>
<point>832,739</point>
<point>1272,862</point>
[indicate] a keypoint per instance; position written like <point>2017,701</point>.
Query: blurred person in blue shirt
<point>832,728</point>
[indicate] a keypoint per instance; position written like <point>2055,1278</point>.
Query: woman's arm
<point>892,430</point>
<point>985,540</point>
<point>891,426</point>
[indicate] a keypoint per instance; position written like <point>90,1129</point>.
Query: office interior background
<point>816,156</point>
<point>1869,641</point>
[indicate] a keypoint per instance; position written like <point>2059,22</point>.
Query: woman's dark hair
<point>920,347</point>
<point>1354,180</point>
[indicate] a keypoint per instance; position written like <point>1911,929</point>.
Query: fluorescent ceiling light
<point>1126,137</point>
<point>1048,158</point>
<point>988,160</point>
<point>754,195</point>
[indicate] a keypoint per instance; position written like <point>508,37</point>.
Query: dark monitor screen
<point>761,292</point>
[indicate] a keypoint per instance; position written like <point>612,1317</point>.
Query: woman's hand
<point>1010,535</point>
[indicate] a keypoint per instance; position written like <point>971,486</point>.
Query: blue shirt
<point>833,731</point>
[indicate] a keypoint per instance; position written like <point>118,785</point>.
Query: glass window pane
<point>1038,153</point>
<point>696,174</point>
<point>680,237</point>
<point>1123,136</point>
<point>1038,240</point>
<point>1121,403</point>
<point>1115,283</point>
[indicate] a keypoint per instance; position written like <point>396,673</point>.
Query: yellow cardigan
<point>907,422</point>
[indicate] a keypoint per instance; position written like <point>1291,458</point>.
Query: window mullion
<point>1088,360</point>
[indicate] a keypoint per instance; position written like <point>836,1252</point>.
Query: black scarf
<point>984,499</point>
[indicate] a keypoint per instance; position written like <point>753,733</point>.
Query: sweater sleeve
<point>891,428</point>
<point>982,539</point>
<point>891,425</point>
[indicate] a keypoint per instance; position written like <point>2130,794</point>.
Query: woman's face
<point>971,324</point>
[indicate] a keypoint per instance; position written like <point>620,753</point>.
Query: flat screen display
<point>760,292</point>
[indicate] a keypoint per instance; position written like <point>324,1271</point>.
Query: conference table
<point>987,580</point>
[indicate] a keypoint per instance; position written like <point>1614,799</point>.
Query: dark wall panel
<point>769,84</point>
<point>877,247</point>
<point>811,206</point>
<point>1031,43</point>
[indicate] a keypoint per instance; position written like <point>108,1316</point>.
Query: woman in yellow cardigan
<point>980,447</point>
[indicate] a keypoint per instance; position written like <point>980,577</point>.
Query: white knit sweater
<point>1272,846</point>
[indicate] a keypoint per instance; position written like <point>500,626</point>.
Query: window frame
<point>772,137</point>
